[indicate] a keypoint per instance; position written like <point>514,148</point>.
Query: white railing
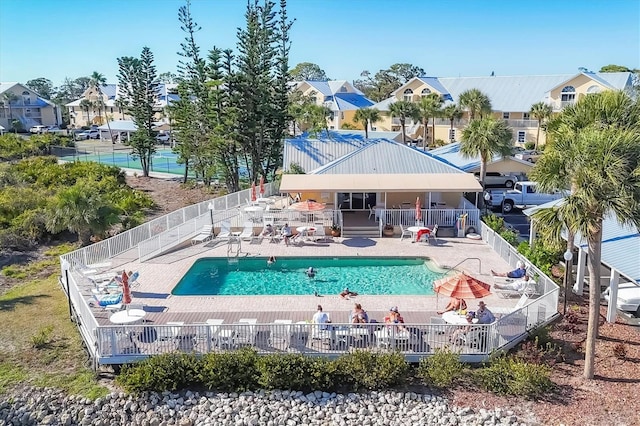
<point>104,250</point>
<point>442,217</point>
<point>522,123</point>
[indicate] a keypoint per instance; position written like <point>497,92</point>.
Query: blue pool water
<point>252,276</point>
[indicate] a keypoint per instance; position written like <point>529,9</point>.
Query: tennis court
<point>163,161</point>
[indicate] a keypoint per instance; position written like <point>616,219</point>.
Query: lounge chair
<point>280,334</point>
<point>206,233</point>
<point>531,288</point>
<point>111,302</point>
<point>225,230</point>
<point>319,234</point>
<point>247,232</point>
<point>246,333</point>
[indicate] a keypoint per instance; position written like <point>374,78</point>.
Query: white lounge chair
<point>530,289</point>
<point>280,334</point>
<point>225,230</point>
<point>246,333</point>
<point>206,233</point>
<point>247,232</point>
<point>320,235</point>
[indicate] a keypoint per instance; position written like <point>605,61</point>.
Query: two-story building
<point>340,97</point>
<point>18,102</point>
<point>97,108</point>
<point>511,99</point>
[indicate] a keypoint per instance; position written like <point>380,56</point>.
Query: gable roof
<point>452,155</point>
<point>40,102</point>
<point>620,244</point>
<point>311,153</point>
<point>384,156</point>
<point>351,101</point>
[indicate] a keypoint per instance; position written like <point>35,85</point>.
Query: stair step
<point>361,232</point>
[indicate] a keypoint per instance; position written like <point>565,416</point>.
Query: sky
<point>73,38</point>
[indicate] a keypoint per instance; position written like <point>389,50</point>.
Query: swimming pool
<point>364,275</point>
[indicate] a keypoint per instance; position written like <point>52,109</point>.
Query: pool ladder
<point>234,241</point>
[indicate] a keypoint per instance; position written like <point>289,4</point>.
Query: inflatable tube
<point>474,236</point>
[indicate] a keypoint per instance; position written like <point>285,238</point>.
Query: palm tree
<point>485,138</point>
<point>428,107</point>
<point>96,81</point>
<point>366,116</point>
<point>9,98</point>
<point>453,113</point>
<point>87,105</point>
<point>476,102</point>
<point>403,110</point>
<point>595,149</point>
<point>541,112</point>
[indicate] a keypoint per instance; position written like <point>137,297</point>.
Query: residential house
<point>340,97</point>
<point>511,99</point>
<point>90,108</point>
<point>18,102</point>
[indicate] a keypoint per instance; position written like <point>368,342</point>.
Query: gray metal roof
<point>620,244</point>
<point>384,156</point>
<point>450,153</point>
<point>311,153</point>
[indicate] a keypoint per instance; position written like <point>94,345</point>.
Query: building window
<point>505,115</point>
<point>343,89</point>
<point>452,134</point>
<point>526,116</point>
<point>26,98</point>
<point>313,99</point>
<point>407,95</point>
<point>342,116</point>
<point>425,92</point>
<point>593,89</point>
<point>568,94</point>
<point>522,136</point>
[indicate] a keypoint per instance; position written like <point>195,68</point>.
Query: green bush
<point>296,372</point>
<point>442,369</point>
<point>167,372</point>
<point>494,222</point>
<point>230,371</point>
<point>513,376</point>
<point>510,236</point>
<point>529,145</point>
<point>541,255</point>
<point>367,370</point>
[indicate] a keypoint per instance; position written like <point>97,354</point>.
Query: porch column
<point>612,309</point>
<point>578,287</point>
<point>532,232</point>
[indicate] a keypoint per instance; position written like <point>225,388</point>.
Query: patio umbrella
<point>462,286</point>
<point>253,191</point>
<point>261,186</point>
<point>418,209</point>
<point>307,206</point>
<point>126,290</point>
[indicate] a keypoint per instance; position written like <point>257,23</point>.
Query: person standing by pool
<point>286,233</point>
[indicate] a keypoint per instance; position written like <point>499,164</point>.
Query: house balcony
<point>523,123</point>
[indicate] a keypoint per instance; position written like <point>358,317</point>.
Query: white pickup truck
<point>522,195</point>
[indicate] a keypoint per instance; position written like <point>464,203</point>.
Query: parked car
<point>88,134</point>
<point>498,179</point>
<point>628,298</point>
<point>38,129</point>
<point>530,156</point>
<point>522,195</point>
<point>54,129</point>
<point>163,137</point>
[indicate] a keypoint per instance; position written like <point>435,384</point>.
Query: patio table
<point>414,230</point>
<point>128,316</point>
<point>453,317</point>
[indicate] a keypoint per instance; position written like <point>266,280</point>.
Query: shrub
<point>531,351</point>
<point>494,222</point>
<point>167,372</point>
<point>296,372</point>
<point>42,338</point>
<point>620,351</point>
<point>442,369</point>
<point>367,370</point>
<point>512,376</point>
<point>529,145</point>
<point>510,236</point>
<point>230,371</point>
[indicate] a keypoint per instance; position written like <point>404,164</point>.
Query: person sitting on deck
<point>321,318</point>
<point>394,317</point>
<point>455,304</point>
<point>268,230</point>
<point>359,315</point>
<point>519,272</point>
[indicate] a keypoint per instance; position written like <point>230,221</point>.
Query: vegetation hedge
<point>356,371</point>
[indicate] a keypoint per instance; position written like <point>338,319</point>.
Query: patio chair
<point>225,230</point>
<point>405,233</point>
<point>372,212</point>
<point>168,336</point>
<point>206,233</point>
<point>320,234</point>
<point>110,302</point>
<point>322,335</point>
<point>133,280</point>
<point>245,334</point>
<point>280,334</point>
<point>247,232</point>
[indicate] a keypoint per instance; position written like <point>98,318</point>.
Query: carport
<point>118,127</point>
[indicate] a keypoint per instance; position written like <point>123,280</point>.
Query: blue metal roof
<point>351,101</point>
<point>384,156</point>
<point>451,153</point>
<point>620,244</point>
